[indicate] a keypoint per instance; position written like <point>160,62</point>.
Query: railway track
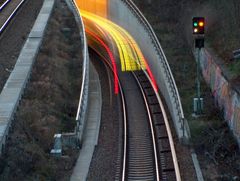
<point>148,151</point>
<point>8,9</point>
<point>141,158</point>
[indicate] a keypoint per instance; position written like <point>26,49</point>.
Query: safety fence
<point>75,139</point>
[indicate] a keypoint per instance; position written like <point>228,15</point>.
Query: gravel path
<point>12,39</point>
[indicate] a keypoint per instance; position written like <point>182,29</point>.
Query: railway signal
<point>198,25</point>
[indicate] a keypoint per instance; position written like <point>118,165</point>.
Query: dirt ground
<point>1,2</point>
<point>49,106</point>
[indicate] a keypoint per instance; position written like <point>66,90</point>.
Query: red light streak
<point>147,68</point>
<point>151,76</point>
<point>110,54</point>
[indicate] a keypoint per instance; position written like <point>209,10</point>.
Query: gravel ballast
<point>104,161</point>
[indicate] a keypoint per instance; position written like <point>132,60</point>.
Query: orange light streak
<point>130,54</point>
<point>98,7</point>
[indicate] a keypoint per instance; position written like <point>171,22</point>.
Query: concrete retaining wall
<point>225,96</point>
<point>126,14</point>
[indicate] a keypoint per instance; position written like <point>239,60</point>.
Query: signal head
<point>198,25</point>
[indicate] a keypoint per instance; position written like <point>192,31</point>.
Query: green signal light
<point>195,24</point>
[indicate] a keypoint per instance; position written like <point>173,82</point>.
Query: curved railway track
<point>168,166</point>
<point>148,151</point>
<point>140,156</point>
<point>7,11</point>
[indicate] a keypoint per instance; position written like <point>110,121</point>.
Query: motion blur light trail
<point>103,30</point>
<point>98,7</point>
<point>130,55</point>
<point>110,54</point>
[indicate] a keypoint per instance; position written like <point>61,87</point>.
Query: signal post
<point>198,33</point>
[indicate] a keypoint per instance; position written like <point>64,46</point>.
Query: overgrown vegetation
<point>171,20</point>
<point>49,106</point>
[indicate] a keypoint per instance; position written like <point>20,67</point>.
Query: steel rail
<point>151,126</point>
<point>124,129</point>
<point>169,133</point>
<point>168,73</point>
<point>164,113</point>
<point>170,137</point>
<point>124,155</point>
<point>124,119</point>
<point>4,5</point>
<point>125,133</point>
<point>11,16</point>
<point>154,38</point>
<point>173,87</point>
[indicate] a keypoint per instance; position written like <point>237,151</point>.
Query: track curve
<point>139,154</point>
<point>149,154</point>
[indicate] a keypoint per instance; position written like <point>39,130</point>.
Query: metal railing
<point>168,73</point>
<point>83,101</point>
<point>74,139</point>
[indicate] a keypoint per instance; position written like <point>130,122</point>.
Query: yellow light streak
<point>131,57</point>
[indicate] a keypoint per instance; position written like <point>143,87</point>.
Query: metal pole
<point>183,129</point>
<point>198,84</point>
